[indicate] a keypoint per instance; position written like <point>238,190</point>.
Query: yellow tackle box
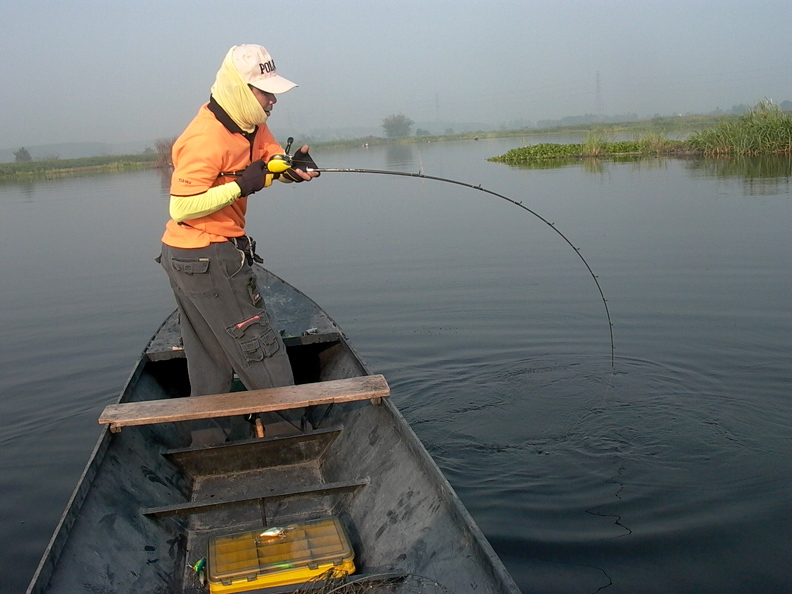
<point>278,556</point>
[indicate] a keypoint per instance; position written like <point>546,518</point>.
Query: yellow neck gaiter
<point>236,98</point>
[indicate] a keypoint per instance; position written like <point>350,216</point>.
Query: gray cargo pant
<point>224,325</point>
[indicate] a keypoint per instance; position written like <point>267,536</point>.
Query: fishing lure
<point>200,569</point>
<point>276,532</point>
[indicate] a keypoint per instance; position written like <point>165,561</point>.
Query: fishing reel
<point>282,162</point>
<point>279,163</point>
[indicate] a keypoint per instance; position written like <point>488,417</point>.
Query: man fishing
<point>219,161</point>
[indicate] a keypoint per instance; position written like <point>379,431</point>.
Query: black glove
<point>300,160</point>
<point>252,178</point>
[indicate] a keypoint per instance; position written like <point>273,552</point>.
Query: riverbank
<point>57,168</point>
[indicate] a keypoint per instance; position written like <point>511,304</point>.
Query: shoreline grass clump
<point>765,129</point>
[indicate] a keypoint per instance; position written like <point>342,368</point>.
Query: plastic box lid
<point>251,555</point>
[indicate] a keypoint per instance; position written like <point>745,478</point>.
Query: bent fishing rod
<point>279,163</point>
<point>517,203</point>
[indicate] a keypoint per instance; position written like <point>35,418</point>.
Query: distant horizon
<point>344,133</point>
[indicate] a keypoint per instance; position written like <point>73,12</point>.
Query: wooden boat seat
<point>148,412</point>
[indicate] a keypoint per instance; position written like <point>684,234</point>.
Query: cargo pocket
<point>191,275</point>
<point>257,339</point>
<point>191,265</point>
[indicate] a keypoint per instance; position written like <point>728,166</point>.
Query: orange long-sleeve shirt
<point>212,144</point>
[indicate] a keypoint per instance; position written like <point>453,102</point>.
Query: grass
<point>765,129</point>
<point>57,168</point>
<point>596,144</point>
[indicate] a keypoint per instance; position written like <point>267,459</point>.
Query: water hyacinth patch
<point>594,146</point>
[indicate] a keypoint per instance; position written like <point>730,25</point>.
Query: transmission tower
<point>598,105</point>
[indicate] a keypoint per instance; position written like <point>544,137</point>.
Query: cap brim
<point>274,84</point>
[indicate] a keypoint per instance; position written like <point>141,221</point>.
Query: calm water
<point>671,474</point>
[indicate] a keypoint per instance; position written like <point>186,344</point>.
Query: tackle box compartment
<point>278,556</point>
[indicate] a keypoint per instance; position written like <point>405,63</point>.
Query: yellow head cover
<point>235,97</point>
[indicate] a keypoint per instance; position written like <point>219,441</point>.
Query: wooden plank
<point>199,507</point>
<point>170,410</point>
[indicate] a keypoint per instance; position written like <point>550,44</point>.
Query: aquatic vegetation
<point>536,152</point>
<point>658,143</point>
<point>595,144</point>
<point>765,129</point>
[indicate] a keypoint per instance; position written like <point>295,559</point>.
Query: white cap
<point>257,68</point>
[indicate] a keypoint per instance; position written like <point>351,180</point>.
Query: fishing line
<point>422,175</point>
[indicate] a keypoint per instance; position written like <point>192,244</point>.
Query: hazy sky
<point>124,70</point>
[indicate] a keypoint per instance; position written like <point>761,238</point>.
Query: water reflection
<point>165,179</point>
<point>400,156</point>
<point>27,191</point>
<point>594,165</point>
<point>761,176</point>
<point>598,165</point>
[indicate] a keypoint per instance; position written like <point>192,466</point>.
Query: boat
<point>151,504</point>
